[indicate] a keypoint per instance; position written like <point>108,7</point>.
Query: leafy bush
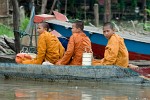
<point>6,30</point>
<point>148,11</point>
<point>24,23</point>
<point>147,26</point>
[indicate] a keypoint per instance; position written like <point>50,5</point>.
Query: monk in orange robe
<point>116,52</point>
<point>77,44</point>
<point>49,47</point>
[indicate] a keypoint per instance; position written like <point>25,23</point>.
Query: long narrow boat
<point>137,45</point>
<point>88,73</point>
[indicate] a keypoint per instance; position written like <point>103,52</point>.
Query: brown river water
<point>70,90</point>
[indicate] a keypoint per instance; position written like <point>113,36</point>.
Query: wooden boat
<point>137,45</point>
<point>88,73</point>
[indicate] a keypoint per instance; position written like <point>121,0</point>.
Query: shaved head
<point>111,25</point>
<point>79,24</point>
<point>45,25</point>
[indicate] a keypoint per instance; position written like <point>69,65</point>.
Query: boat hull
<point>138,50</point>
<point>93,73</point>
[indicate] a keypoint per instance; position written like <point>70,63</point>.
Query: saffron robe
<point>77,44</point>
<point>116,53</point>
<point>49,49</point>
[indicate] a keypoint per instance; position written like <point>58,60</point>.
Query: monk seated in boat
<point>76,46</point>
<point>116,52</point>
<point>49,49</point>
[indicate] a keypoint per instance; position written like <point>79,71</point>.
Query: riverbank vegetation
<point>122,11</point>
<point>6,30</point>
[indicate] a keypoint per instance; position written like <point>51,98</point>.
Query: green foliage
<point>148,4</point>
<point>134,3</point>
<point>147,26</point>
<point>148,11</point>
<point>71,3</point>
<point>24,23</point>
<point>78,14</point>
<point>6,30</point>
<point>122,5</point>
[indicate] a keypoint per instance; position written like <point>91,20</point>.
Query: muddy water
<point>35,90</point>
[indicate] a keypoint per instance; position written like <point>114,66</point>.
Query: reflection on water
<point>33,90</point>
<point>41,95</point>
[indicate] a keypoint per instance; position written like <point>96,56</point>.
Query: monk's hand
<point>133,66</point>
<point>58,63</point>
<point>27,56</point>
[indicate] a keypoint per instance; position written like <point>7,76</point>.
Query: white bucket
<point>87,58</point>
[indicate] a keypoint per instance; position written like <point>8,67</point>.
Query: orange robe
<point>49,48</point>
<point>115,53</point>
<point>76,47</point>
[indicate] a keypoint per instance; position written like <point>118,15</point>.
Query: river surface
<point>36,90</point>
